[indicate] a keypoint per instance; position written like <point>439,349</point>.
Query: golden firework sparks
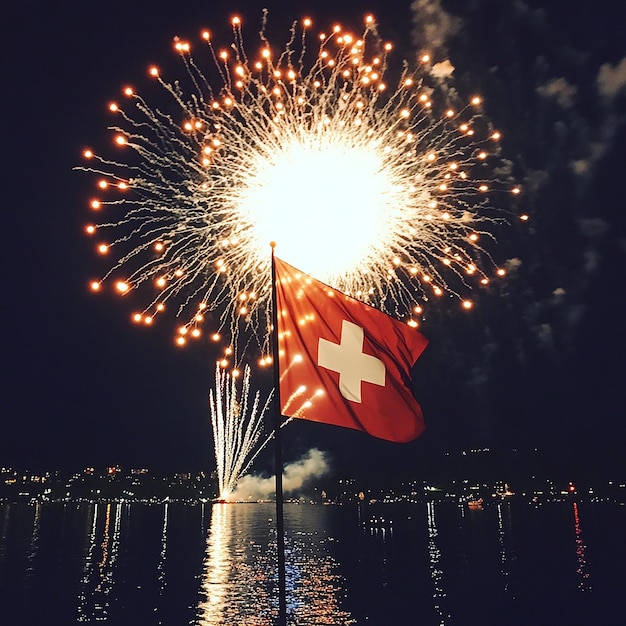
<point>381,191</point>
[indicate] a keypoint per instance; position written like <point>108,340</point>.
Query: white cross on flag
<point>344,362</point>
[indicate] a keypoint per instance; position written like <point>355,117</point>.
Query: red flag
<point>344,362</point>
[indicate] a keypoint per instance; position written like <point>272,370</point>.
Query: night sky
<point>537,363</point>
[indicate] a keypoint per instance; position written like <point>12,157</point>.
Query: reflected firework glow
<point>216,567</point>
<point>241,555</point>
<point>234,560</point>
<point>365,176</point>
<point>101,562</point>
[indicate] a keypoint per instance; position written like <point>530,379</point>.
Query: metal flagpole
<point>278,460</point>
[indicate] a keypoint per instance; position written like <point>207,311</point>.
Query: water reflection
<point>581,558</point>
<point>436,571</point>
<point>313,583</point>
<point>3,537</point>
<point>88,560</point>
<point>98,579</point>
<point>85,563</point>
<point>239,582</point>
<point>33,546</point>
<point>379,527</point>
<point>505,542</point>
<point>216,567</point>
<point>161,569</point>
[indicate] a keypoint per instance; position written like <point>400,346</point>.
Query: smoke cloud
<point>433,26</point>
<point>295,477</point>
<point>559,89</point>
<point>442,70</point>
<point>612,79</point>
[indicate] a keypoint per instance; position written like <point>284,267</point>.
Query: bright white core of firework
<point>378,190</point>
<point>327,205</point>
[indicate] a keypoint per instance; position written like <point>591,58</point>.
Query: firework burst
<point>237,426</point>
<point>384,192</point>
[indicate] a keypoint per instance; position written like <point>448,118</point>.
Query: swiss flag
<point>344,362</point>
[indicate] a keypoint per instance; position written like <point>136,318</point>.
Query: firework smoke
<point>295,476</point>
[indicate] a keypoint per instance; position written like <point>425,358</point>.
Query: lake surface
<point>511,563</point>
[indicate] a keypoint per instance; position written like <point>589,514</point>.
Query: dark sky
<point>537,363</point>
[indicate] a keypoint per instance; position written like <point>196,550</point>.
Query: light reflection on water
<point>89,565</point>
<point>234,561</point>
<point>241,555</point>
<point>161,568</point>
<point>436,573</point>
<point>581,549</point>
<point>507,549</point>
<point>100,563</point>
<point>33,547</point>
<point>314,586</point>
<point>3,533</point>
<point>217,567</point>
<point>174,564</point>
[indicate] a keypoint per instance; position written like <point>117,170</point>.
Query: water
<point>398,564</point>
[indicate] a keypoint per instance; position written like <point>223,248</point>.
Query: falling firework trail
<point>384,193</point>
<point>237,427</point>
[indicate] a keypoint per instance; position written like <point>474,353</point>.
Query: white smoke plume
<point>561,90</point>
<point>611,79</point>
<point>442,70</point>
<point>295,476</point>
<point>433,26</point>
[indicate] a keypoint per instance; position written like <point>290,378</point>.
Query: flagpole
<point>278,458</point>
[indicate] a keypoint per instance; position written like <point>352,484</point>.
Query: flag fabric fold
<point>344,362</point>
